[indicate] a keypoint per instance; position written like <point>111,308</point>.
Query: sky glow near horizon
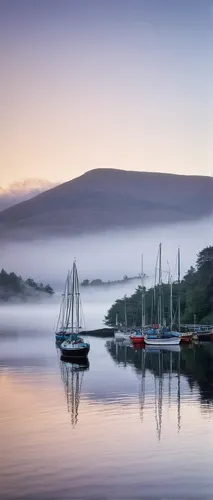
<point>88,84</point>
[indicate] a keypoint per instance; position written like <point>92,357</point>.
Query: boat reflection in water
<point>171,355</point>
<point>72,374</point>
<point>164,365</point>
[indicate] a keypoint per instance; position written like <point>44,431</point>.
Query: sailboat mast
<point>125,314</point>
<point>72,300</point>
<point>77,295</point>
<point>171,304</point>
<point>142,296</point>
<point>160,284</point>
<point>68,295</point>
<point>155,284</point>
<point>116,319</point>
<point>179,289</point>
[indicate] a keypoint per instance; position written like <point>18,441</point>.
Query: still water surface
<point>130,425</point>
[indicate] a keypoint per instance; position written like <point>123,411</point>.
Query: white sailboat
<point>159,340</point>
<point>137,337</point>
<point>123,334</point>
<point>187,336</point>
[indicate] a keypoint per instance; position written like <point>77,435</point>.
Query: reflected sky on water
<point>128,424</point>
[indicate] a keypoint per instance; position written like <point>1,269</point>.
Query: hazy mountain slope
<point>21,191</point>
<point>108,198</point>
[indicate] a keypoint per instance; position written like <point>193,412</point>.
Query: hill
<point>104,199</point>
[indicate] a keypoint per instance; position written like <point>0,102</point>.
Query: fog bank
<point>109,255</point>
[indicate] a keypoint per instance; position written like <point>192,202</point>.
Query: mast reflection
<point>162,363</point>
<point>72,374</point>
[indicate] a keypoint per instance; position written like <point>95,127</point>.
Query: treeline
<point>195,291</point>
<point>12,285</point>
<point>99,282</point>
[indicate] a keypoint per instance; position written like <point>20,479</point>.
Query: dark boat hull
<point>75,353</point>
<point>204,336</point>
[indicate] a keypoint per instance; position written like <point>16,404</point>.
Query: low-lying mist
<point>106,256</point>
<point>41,317</point>
<point>109,255</point>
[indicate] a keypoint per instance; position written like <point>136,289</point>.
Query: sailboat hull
<point>186,337</point>
<point>121,336</point>
<point>203,336</point>
<point>137,339</point>
<point>162,341</point>
<point>75,351</point>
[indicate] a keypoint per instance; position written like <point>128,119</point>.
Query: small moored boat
<point>203,335</point>
<point>162,341</point>
<point>122,334</point>
<point>186,337</point>
<point>137,337</point>
<point>74,346</point>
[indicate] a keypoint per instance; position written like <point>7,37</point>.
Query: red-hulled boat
<point>186,337</point>
<point>137,337</point>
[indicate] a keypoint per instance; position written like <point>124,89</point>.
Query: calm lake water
<point>130,425</point>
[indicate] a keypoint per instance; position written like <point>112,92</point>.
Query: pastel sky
<point>105,83</point>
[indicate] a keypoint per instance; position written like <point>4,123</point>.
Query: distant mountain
<point>21,191</point>
<point>104,199</point>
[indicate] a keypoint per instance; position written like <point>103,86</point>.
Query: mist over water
<point>107,256</point>
<point>40,318</point>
